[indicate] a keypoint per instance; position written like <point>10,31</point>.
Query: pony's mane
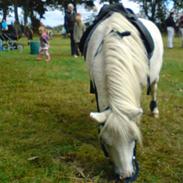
<point>126,69</point>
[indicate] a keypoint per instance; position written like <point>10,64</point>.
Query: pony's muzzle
<point>120,179</point>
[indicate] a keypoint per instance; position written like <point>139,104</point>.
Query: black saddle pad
<point>108,10</point>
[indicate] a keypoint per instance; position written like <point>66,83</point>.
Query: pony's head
<point>118,134</point>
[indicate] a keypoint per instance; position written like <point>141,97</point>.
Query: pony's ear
<point>136,113</point>
<point>100,117</point>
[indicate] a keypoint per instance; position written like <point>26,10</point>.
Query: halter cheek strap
<point>136,166</point>
<point>136,169</point>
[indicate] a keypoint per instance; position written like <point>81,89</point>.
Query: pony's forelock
<point>120,127</point>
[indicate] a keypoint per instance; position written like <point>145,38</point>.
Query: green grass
<point>44,111</point>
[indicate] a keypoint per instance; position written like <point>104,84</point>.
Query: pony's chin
<point>124,175</point>
<point>120,179</point>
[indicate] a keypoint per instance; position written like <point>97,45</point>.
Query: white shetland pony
<point>119,68</point>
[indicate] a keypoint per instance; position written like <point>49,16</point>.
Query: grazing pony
<point>119,67</point>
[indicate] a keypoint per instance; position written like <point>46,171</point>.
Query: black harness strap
<point>98,49</point>
<point>148,85</point>
<point>93,89</point>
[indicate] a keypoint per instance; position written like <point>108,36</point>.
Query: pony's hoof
<point>156,115</point>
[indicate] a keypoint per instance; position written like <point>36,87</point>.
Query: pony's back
<point>157,57</point>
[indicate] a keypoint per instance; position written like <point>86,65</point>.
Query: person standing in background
<point>69,22</point>
<point>180,25</point>
<point>170,25</point>
<point>79,28</point>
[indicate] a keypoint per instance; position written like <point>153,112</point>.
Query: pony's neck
<point>125,65</point>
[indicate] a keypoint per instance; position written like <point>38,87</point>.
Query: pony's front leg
<point>153,103</point>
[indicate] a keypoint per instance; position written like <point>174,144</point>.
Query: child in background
<point>44,45</point>
<point>79,28</point>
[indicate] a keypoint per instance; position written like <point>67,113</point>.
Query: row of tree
<point>154,10</point>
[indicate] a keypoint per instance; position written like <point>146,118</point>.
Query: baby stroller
<point>9,39</point>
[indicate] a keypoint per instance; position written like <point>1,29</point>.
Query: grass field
<point>46,133</point>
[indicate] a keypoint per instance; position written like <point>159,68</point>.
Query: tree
<point>4,7</point>
<point>178,4</point>
<point>25,7</point>
<point>16,4</point>
<point>16,11</point>
<point>152,8</point>
<point>156,10</point>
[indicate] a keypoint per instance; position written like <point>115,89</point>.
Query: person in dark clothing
<point>170,24</point>
<point>69,26</point>
<point>180,25</point>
